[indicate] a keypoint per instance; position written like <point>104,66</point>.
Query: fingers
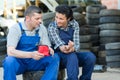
<point>36,55</point>
<point>67,47</point>
<point>51,51</point>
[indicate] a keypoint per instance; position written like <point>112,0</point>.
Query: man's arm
<point>54,36</point>
<point>15,32</point>
<point>11,51</point>
<point>76,36</point>
<point>44,40</point>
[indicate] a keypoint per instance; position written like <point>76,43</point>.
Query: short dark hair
<point>32,9</point>
<point>65,9</point>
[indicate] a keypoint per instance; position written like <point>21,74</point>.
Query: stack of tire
<point>80,18</point>
<point>92,14</point>
<point>47,18</point>
<point>3,42</point>
<point>92,19</point>
<point>88,37</point>
<point>110,35</point>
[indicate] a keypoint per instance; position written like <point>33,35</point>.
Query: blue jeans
<point>72,61</point>
<point>13,66</point>
<point>86,61</point>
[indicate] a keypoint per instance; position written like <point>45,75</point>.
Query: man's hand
<point>51,51</point>
<point>71,44</point>
<point>67,48</point>
<point>63,48</point>
<point>36,55</point>
<point>70,47</point>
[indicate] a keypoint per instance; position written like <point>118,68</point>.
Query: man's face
<point>61,20</point>
<point>35,20</point>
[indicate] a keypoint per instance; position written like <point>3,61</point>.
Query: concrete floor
<point>110,74</point>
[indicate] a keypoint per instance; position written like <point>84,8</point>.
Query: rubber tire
<point>109,33</point>
<point>110,26</point>
<point>112,46</point>
<point>110,12</point>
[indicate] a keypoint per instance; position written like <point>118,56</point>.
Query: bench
<point>36,75</point>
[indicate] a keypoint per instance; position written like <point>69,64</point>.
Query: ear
<point>27,18</point>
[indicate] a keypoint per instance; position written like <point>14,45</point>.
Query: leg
<point>52,69</point>
<point>12,66</point>
<point>70,62</point>
<point>87,61</point>
<point>50,64</point>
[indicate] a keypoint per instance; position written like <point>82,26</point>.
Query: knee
<point>9,61</point>
<point>56,57</point>
<point>91,57</point>
<point>72,57</point>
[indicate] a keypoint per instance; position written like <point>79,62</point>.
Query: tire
<point>80,18</point>
<point>95,37</point>
<point>113,58</point>
<point>110,33</point>
<point>2,57</point>
<point>109,26</point>
<point>4,29</point>
<point>92,16</point>
<point>47,18</point>
<point>113,64</point>
<point>112,46</point>
<point>101,60</point>
<point>93,8</point>
<point>102,47</point>
<point>112,52</point>
<point>95,43</point>
<point>104,40</point>
<point>36,75</point>
<point>92,21</point>
<point>3,49</point>
<point>76,8</point>
<point>110,12</point>
<point>89,30</point>
<point>85,38</point>
<point>87,45</point>
<point>101,54</point>
<point>3,41</point>
<point>95,49</point>
<point>110,19</point>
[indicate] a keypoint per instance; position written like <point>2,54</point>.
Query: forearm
<point>54,37</point>
<point>18,53</point>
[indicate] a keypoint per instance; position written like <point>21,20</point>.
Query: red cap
<point>44,49</point>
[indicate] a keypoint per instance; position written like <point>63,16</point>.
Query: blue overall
<point>13,66</point>
<point>68,61</point>
<point>72,60</point>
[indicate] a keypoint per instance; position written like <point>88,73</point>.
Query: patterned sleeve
<point>54,36</point>
<point>76,36</point>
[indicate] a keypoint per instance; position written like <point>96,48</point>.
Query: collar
<point>70,24</point>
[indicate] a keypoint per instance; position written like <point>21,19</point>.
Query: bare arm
<point>23,54</point>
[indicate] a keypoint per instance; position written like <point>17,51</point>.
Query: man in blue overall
<point>64,36</point>
<point>22,45</point>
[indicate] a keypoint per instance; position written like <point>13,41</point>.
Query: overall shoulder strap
<point>37,32</point>
<point>22,30</point>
